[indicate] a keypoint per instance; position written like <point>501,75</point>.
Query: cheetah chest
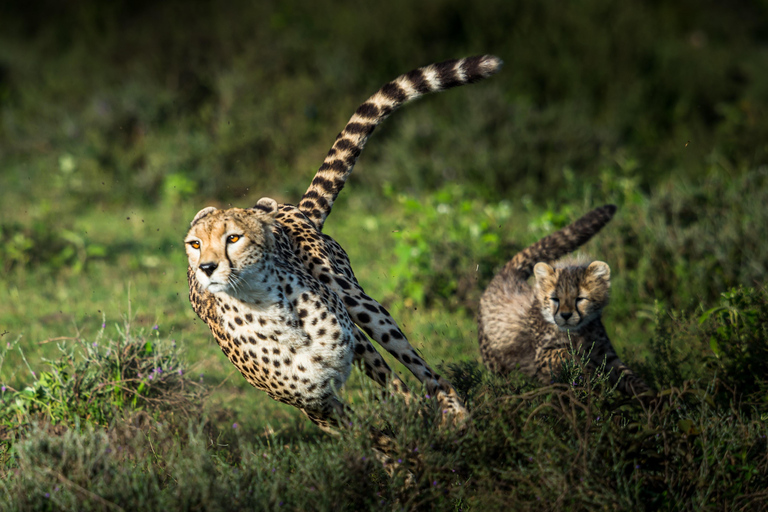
<point>299,349</point>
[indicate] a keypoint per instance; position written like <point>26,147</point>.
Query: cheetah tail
<point>338,164</point>
<point>560,243</point>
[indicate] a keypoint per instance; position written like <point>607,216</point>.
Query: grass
<point>107,429</point>
<point>118,122</point>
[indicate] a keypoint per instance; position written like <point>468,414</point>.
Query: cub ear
<point>266,205</point>
<point>543,272</point>
<point>202,213</point>
<point>599,269</point>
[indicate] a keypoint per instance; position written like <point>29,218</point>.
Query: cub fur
<point>533,328</point>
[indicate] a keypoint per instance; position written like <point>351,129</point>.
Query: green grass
<point>119,121</point>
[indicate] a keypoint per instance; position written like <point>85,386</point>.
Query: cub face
<point>226,248</point>
<point>571,297</point>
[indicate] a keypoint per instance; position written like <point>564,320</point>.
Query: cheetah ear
<point>599,269</point>
<point>202,213</point>
<point>267,205</point>
<point>543,272</point>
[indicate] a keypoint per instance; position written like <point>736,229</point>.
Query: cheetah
<point>533,328</point>
<point>280,296</point>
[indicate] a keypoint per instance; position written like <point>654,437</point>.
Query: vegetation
<point>119,121</point>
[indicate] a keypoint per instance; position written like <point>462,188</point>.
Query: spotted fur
<point>280,296</point>
<point>534,329</point>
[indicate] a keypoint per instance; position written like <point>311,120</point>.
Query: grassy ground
<point>119,122</point>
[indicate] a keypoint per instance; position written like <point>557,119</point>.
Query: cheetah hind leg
<point>336,414</point>
<point>376,321</point>
<point>370,361</point>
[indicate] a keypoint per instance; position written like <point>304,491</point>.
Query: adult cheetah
<point>280,296</point>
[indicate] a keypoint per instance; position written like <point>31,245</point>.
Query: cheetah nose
<point>565,316</point>
<point>208,268</point>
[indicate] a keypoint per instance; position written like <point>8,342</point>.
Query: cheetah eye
<point>194,244</point>
<point>555,300</point>
<point>579,299</point>
<point>233,238</point>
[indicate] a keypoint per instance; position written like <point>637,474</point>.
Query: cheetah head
<point>572,296</point>
<point>229,249</point>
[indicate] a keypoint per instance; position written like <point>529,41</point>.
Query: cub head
<point>572,296</point>
<point>228,249</point>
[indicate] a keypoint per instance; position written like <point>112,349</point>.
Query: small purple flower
<point>234,425</point>
<point>427,396</point>
<point>151,376</point>
<point>530,459</point>
<point>103,325</point>
<point>155,327</point>
<point>180,371</point>
<point>363,457</point>
<point>637,466</point>
<point>399,461</point>
<point>47,495</point>
<point>33,373</point>
<point>434,483</point>
<point>95,344</point>
<point>159,370</point>
<point>56,489</point>
<point>2,389</point>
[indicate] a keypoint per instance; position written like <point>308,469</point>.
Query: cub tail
<point>560,243</point>
<point>318,200</point>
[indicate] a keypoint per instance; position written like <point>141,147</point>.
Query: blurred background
<point>119,120</point>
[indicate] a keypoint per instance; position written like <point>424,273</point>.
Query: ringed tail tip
<point>490,65</point>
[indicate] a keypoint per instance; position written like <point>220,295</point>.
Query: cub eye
<point>579,299</point>
<point>233,238</point>
<point>194,244</point>
<point>555,300</point>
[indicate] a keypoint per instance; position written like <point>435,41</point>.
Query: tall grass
<point>106,429</point>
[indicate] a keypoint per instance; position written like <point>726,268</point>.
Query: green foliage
<point>98,382</point>
<point>564,445</point>
<point>45,243</point>
<point>689,241</point>
<point>738,334</point>
<point>443,242</point>
<point>137,93</point>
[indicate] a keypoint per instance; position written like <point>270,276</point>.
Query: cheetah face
<point>229,249</point>
<point>571,297</point>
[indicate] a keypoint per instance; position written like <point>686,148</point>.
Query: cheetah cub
<point>533,328</point>
<point>280,297</point>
